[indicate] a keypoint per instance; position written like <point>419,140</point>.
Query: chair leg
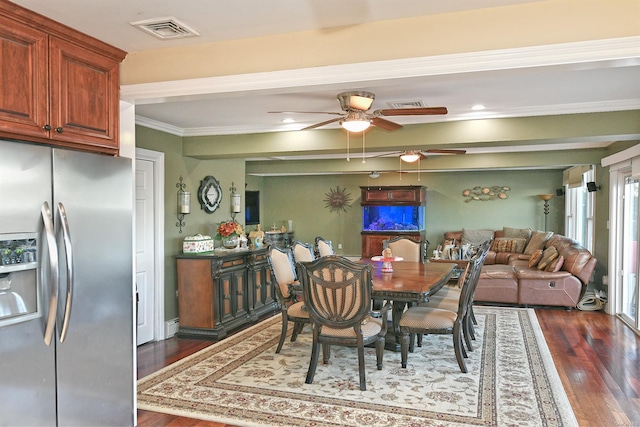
<point>283,334</point>
<point>313,363</point>
<point>419,339</point>
<point>326,353</point>
<point>473,316</point>
<point>404,349</point>
<point>459,347</point>
<point>379,352</point>
<point>468,335</point>
<point>297,328</point>
<point>361,368</point>
<point>411,342</point>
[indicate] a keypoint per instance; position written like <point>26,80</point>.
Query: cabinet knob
<point>59,129</point>
<point>46,127</point>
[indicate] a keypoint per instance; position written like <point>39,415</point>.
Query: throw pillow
<point>555,265</point>
<point>503,244</point>
<point>537,241</point>
<point>548,255</point>
<point>476,237</point>
<point>536,256</point>
<point>524,233</point>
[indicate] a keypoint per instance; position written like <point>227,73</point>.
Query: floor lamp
<point>546,198</point>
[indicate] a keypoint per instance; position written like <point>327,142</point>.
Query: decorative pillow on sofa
<point>548,255</point>
<point>476,237</point>
<point>555,265</point>
<point>505,244</point>
<point>537,241</point>
<point>536,256</point>
<point>524,233</point>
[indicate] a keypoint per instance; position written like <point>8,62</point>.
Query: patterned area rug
<point>241,381</point>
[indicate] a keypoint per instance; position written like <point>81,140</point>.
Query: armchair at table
<point>283,269</point>
<point>337,293</point>
<point>407,248</point>
<point>323,247</point>
<point>302,252</point>
<point>430,320</point>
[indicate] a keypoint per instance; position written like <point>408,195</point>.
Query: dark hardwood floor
<point>596,355</point>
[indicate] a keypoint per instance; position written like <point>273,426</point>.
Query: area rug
<point>242,381</point>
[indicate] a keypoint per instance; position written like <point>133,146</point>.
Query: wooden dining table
<point>409,282</point>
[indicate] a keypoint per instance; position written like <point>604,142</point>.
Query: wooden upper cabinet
<point>398,195</point>
<point>57,86</point>
<point>23,79</point>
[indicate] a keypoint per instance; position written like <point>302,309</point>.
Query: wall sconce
<point>235,201</point>
<point>592,186</point>
<point>184,204</point>
<point>546,198</point>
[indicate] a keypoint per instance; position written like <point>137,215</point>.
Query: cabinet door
<point>84,95</point>
<point>23,79</point>
<point>411,195</point>
<point>375,195</point>
<point>372,244</point>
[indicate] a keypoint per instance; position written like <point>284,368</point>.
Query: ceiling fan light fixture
<point>374,174</point>
<point>356,121</point>
<point>410,156</point>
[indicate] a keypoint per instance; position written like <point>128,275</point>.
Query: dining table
<point>409,282</point>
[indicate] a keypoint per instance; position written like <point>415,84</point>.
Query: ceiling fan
<point>355,117</point>
<point>411,156</point>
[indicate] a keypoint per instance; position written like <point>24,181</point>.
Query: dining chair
<point>323,247</point>
<point>429,320</point>
<point>302,252</point>
<point>407,248</point>
<point>292,310</point>
<point>337,293</point>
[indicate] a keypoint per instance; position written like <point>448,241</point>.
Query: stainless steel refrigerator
<point>66,293</point>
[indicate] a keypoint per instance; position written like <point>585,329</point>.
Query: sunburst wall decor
<point>337,200</point>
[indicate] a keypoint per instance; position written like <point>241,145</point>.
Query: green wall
<point>198,221</point>
<point>301,199</point>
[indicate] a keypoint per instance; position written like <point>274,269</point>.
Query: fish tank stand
<point>391,211</point>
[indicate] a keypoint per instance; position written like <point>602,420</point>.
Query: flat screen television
<point>251,207</point>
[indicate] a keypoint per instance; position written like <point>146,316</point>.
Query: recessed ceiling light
<point>288,120</point>
<point>478,107</point>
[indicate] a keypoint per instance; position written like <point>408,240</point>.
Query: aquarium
<point>393,218</point>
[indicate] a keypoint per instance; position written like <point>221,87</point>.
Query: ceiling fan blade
<point>317,125</point>
<point>436,151</point>
<point>420,111</point>
<point>305,112</point>
<point>385,124</point>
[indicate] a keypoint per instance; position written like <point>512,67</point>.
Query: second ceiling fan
<point>355,117</point>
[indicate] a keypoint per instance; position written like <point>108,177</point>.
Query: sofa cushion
<point>537,241</point>
<point>476,237</point>
<point>523,233</point>
<point>506,244</point>
<point>555,265</point>
<point>536,256</point>
<point>548,255</point>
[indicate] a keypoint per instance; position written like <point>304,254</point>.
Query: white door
<point>145,244</point>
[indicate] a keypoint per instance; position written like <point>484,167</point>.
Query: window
<point>579,205</point>
<point>251,207</point>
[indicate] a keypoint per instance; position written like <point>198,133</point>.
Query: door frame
<point>157,158</point>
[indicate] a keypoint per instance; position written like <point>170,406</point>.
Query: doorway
<point>149,212</point>
<point>629,254</point>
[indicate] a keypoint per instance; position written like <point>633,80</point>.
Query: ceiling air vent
<point>166,28</point>
<point>408,104</point>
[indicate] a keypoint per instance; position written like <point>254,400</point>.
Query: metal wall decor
<point>338,200</point>
<point>485,193</point>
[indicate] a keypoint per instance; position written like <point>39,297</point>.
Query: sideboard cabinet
<point>222,291</point>
<point>58,86</point>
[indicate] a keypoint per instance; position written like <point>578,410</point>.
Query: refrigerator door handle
<point>50,238</point>
<point>66,236</point>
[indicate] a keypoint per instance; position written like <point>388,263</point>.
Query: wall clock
<point>209,194</point>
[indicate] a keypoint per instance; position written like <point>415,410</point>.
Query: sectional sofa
<point>529,267</point>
